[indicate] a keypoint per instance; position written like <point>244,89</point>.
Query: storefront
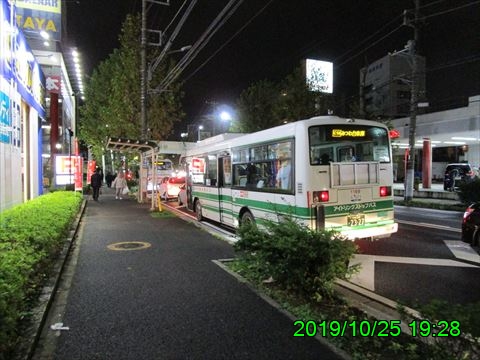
<point>22,110</point>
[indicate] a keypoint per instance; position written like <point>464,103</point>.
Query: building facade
<point>386,83</point>
<point>22,111</point>
<point>38,102</point>
<point>454,136</point>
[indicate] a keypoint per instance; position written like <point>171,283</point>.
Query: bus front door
<point>225,190</point>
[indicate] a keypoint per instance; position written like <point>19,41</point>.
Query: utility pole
<point>410,171</point>
<point>143,64</point>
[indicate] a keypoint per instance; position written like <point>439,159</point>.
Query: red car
<point>471,225</point>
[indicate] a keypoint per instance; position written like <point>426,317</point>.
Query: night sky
<point>278,34</point>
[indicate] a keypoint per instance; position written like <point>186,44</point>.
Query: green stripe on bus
<point>331,211</point>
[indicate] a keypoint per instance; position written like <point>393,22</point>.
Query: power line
<point>218,22</point>
<point>449,10</point>
<point>368,47</point>
<point>369,37</point>
<point>229,40</point>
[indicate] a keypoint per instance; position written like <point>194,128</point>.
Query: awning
<point>119,144</point>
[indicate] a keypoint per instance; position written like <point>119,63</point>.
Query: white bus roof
<point>219,142</point>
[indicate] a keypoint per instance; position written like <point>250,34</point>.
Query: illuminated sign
<point>198,165</point>
<point>340,133</point>
<point>5,119</point>
<point>394,133</point>
<point>319,75</point>
<point>68,169</point>
<point>35,16</point>
<point>18,64</point>
<point>53,84</point>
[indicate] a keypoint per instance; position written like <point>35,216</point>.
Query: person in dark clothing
<point>96,183</point>
<point>109,178</point>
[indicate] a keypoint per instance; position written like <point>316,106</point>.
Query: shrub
<point>297,258</point>
<point>31,235</point>
<point>461,320</point>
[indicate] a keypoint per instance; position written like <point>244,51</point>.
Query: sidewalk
<point>165,299</point>
<point>435,194</point>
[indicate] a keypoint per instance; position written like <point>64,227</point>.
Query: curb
<point>31,335</point>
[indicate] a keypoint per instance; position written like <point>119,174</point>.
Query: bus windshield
<point>347,143</point>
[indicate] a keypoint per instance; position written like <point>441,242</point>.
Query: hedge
<point>31,236</point>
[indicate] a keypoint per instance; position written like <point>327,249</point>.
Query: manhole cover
<point>129,245</point>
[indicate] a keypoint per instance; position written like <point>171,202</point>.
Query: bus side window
<point>251,174</point>
<point>239,175</point>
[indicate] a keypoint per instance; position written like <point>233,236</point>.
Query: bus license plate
<point>355,220</point>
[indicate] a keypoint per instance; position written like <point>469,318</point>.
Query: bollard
<point>159,202</point>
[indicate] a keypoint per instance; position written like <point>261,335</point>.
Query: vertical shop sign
<point>5,119</point>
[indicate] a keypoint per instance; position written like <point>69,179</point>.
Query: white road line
<point>427,225</point>
<point>366,276</point>
<point>462,250</point>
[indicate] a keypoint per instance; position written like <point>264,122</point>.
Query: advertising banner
<point>5,119</point>
<point>319,75</point>
<point>20,65</point>
<point>35,16</point>
<point>53,84</point>
<point>67,169</point>
<point>78,173</point>
<point>92,165</point>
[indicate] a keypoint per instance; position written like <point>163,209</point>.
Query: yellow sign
<point>34,23</point>
<point>339,133</point>
<point>52,6</point>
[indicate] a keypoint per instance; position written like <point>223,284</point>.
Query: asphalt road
<point>424,260</point>
<point>166,300</point>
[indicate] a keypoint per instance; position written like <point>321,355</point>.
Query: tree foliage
<point>266,103</point>
<point>113,107</point>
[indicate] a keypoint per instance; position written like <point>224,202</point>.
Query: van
<point>455,174</point>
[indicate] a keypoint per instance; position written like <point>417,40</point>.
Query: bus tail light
<point>321,196</point>
<point>385,191</point>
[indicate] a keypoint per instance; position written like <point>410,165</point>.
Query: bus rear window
<point>347,143</point>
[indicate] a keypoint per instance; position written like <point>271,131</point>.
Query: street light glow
<point>225,116</point>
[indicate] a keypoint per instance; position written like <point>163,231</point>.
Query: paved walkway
<point>166,300</point>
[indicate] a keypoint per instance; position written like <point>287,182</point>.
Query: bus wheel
<point>198,210</point>
<point>247,219</point>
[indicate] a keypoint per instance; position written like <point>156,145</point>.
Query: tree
<point>256,107</point>
<point>112,107</point>
<point>266,104</point>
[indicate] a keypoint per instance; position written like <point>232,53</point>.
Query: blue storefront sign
<point>5,119</point>
<point>20,65</point>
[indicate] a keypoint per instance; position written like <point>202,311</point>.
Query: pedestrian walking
<point>119,184</point>
<point>96,183</point>
<point>109,178</point>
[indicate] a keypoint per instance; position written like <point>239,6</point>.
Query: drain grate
<point>129,245</point>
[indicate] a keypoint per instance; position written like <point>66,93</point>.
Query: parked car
<point>456,173</point>
<point>182,195</point>
<point>170,187</point>
<point>471,225</point>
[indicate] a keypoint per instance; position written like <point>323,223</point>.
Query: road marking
<point>366,276</point>
<point>427,225</point>
<point>462,250</point>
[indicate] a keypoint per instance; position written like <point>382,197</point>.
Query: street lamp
<point>225,116</point>
<point>200,127</point>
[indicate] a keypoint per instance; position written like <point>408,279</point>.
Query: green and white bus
<point>326,172</point>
